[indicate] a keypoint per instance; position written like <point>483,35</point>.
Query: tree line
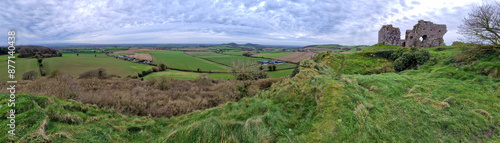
<point>32,51</point>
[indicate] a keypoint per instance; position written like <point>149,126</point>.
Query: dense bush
<point>470,52</point>
<point>479,58</point>
<point>30,75</point>
<point>346,49</point>
<point>156,68</point>
<point>55,73</point>
<point>5,50</point>
<point>252,75</point>
<point>162,67</point>
<point>97,73</point>
<point>247,54</point>
<point>405,57</point>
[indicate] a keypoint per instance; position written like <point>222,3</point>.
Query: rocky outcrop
<point>423,35</point>
<point>389,35</point>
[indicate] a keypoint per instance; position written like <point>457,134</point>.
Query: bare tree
<point>482,24</point>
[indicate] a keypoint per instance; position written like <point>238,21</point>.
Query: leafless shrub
<point>97,73</point>
<point>30,75</point>
<point>135,97</point>
<point>55,73</point>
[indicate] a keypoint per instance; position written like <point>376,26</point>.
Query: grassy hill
<point>333,98</point>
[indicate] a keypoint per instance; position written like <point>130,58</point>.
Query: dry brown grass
<point>160,97</point>
<point>141,56</point>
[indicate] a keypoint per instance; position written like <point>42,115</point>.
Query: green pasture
<point>179,60</point>
<point>279,74</point>
<point>272,55</point>
<point>231,60</point>
<point>22,65</point>
<point>75,65</point>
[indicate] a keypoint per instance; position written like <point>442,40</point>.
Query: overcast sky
<point>273,22</point>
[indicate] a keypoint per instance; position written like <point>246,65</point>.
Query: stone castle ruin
<point>424,34</point>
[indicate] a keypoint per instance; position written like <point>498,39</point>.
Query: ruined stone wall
<point>424,34</point>
<point>389,35</point>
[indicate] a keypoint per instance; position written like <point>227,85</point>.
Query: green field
<point>221,47</point>
<point>272,55</point>
<point>75,65</point>
<point>179,60</point>
<point>231,60</point>
<point>335,47</point>
<point>187,75</point>
<point>236,53</point>
<point>228,59</point>
<point>278,74</point>
<point>22,65</point>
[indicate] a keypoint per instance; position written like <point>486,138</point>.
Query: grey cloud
<point>284,21</point>
<point>403,3</point>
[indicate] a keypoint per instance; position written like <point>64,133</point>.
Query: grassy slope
<point>22,65</point>
<point>179,60</point>
<point>433,104</point>
<point>75,65</point>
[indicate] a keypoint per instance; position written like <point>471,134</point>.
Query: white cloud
<point>281,22</point>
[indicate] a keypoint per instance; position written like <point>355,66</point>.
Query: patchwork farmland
<point>183,62</point>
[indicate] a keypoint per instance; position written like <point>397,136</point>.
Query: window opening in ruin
<point>421,39</point>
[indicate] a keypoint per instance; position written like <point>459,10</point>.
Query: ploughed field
<point>297,56</point>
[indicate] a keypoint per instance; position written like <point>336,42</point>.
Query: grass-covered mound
<point>335,98</point>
